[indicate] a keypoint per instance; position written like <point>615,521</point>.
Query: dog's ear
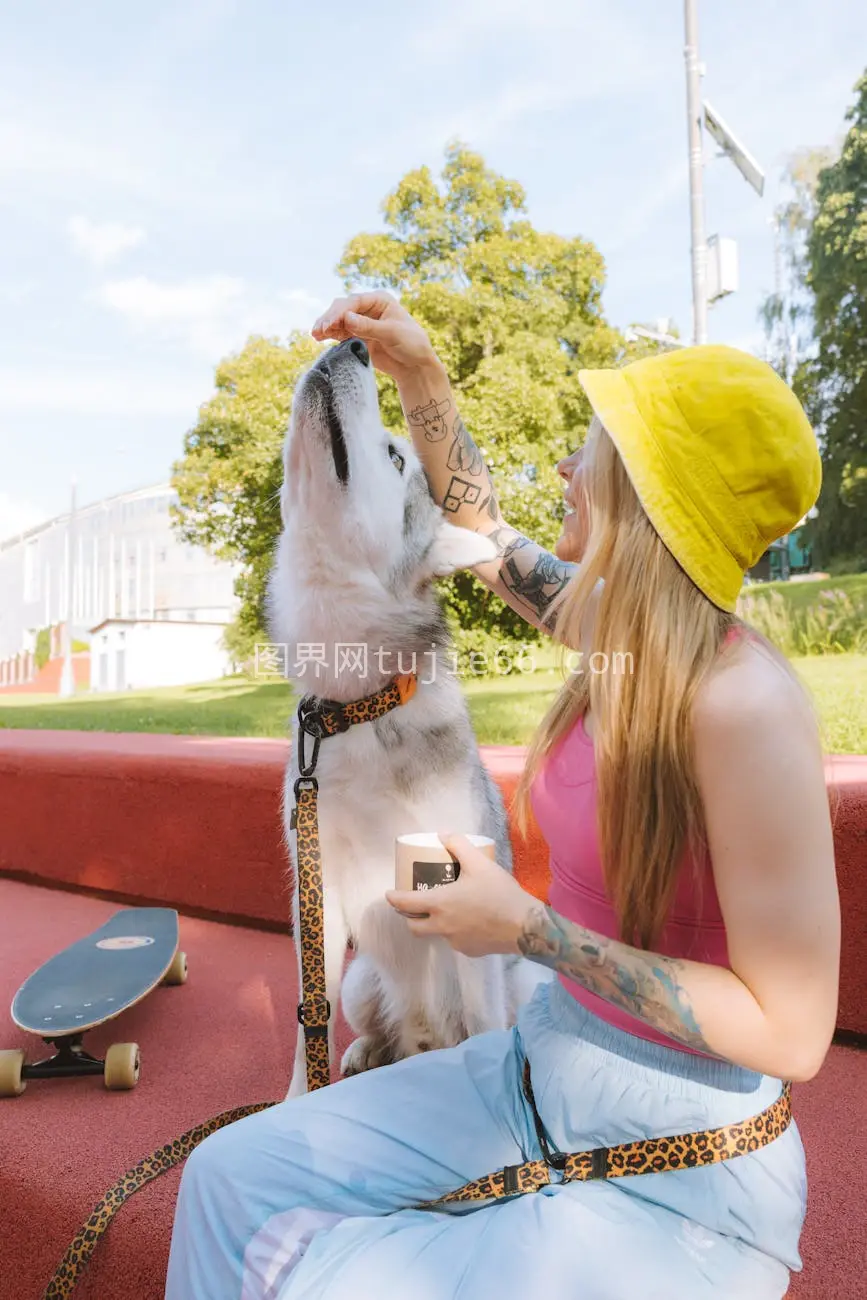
<point>458,548</point>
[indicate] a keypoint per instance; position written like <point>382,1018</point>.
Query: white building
<point>130,654</point>
<point>127,563</point>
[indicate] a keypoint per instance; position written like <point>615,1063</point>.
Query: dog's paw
<point>366,1053</point>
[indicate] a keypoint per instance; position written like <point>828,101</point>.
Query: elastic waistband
<point>569,1017</point>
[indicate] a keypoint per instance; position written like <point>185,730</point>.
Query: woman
<point>693,920</point>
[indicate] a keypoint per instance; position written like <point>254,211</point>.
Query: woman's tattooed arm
<point>526,576</point>
<point>460,479</point>
<point>645,985</point>
<point>530,577</point>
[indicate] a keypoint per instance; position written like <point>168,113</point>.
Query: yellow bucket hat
<point>719,451</point>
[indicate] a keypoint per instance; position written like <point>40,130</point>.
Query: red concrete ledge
<point>189,821</point>
<point>195,822</point>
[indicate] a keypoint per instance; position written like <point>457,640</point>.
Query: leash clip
<point>310,717</point>
<point>308,766</point>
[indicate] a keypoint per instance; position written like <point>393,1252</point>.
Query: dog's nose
<point>359,350</point>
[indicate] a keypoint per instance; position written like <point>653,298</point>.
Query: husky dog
<point>353,576</point>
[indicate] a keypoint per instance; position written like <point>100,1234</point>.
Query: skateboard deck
<point>100,976</point>
<point>88,983</point>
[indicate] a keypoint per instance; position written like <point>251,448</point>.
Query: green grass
<point>838,686</point>
<point>235,706</point>
<point>504,710</point>
<point>799,595</point>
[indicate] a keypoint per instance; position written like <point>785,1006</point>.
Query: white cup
<point>422,862</point>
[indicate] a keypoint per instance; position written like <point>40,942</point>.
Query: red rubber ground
<point>226,1038</point>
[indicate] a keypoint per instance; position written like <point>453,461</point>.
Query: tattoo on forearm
<point>461,492</point>
<point>431,418</point>
<point>645,985</point>
<point>491,506</point>
<point>537,587</point>
<point>464,458</point>
<point>464,455</point>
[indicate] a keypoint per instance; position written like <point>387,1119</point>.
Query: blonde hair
<point>658,637</point>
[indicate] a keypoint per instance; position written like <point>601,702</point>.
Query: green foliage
<point>42,649</point>
<point>482,654</point>
<point>228,481</point>
<point>835,623</point>
<point>787,313</point>
<point>504,710</point>
<point>514,313</point>
<point>837,273</point>
<point>638,346</point>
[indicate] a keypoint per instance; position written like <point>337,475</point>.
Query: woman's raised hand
<point>397,344</point>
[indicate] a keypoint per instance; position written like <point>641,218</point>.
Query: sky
<point>178,175</point>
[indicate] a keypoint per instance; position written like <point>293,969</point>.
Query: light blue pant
<point>304,1201</point>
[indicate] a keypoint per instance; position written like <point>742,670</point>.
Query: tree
<point>228,481</point>
<point>837,275</point>
<point>513,312</point>
<point>640,342</point>
<point>787,313</point>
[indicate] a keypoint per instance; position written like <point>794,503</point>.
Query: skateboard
<point>85,985</point>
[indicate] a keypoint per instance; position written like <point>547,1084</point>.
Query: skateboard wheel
<point>11,1067</point>
<point>177,972</point>
<point>122,1066</point>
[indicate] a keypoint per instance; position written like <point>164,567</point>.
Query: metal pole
<point>67,677</point>
<point>696,174</point>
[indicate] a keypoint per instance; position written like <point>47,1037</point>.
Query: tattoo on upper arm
<point>431,418</point>
<point>538,586</point>
<point>645,985</point>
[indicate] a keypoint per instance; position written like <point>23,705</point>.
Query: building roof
<point>161,622</point>
<point>155,489</point>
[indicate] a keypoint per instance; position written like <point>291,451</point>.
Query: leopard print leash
<point>78,1252</point>
<point>645,1156</point>
<point>317,719</point>
<point>648,1155</point>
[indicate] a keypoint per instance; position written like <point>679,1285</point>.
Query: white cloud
<point>17,516</point>
<point>102,242</point>
<point>99,393</point>
<point>30,150</point>
<point>211,315</point>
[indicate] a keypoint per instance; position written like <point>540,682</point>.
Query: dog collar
<point>320,718</point>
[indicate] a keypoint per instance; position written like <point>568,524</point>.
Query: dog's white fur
<point>355,565</point>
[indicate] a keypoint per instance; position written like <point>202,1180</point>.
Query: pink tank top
<point>564,797</point>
